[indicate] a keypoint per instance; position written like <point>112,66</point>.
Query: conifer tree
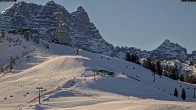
<point>1,69</point>
<point>136,60</point>
<point>176,92</point>
<point>147,64</point>
<point>153,68</point>
<point>159,68</point>
<point>132,58</point>
<point>182,77</point>
<point>127,56</point>
<point>2,35</point>
<point>183,95</point>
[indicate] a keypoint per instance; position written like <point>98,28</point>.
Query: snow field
<point>61,73</point>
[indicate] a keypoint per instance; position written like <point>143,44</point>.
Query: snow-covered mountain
<point>44,20</point>
<point>70,81</point>
<point>80,31</point>
<point>86,80</point>
<point>168,50</point>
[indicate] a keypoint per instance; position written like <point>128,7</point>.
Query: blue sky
<point>144,24</point>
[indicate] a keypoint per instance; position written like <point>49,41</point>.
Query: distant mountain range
<point>82,32</point>
<point>166,51</point>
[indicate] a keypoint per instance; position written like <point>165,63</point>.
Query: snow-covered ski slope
<point>68,82</point>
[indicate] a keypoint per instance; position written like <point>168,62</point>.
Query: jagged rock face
<point>192,57</point>
<point>80,19</point>
<point>85,34</point>
<point>168,51</point>
<point>43,19</point>
<point>80,31</point>
<point>21,14</point>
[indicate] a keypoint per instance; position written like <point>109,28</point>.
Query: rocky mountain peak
<point>80,9</point>
<point>80,16</point>
<point>166,42</point>
<point>51,2</point>
<point>21,3</point>
<point>45,19</point>
<point>168,50</point>
<point>168,45</point>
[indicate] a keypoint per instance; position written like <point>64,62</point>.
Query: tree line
<point>157,68</point>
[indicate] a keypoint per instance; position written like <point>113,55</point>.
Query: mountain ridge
<point>80,30</point>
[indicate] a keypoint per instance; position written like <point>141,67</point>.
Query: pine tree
<point>147,64</point>
<point>2,70</point>
<point>132,58</point>
<point>11,64</point>
<point>159,68</point>
<point>176,92</point>
<point>153,67</point>
<point>2,35</point>
<point>183,95</point>
<point>182,77</point>
<point>174,74</point>
<point>127,57</point>
<point>137,59</point>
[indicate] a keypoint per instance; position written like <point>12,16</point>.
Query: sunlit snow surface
<point>68,82</point>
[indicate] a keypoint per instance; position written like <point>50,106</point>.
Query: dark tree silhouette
<point>147,64</point>
<point>176,92</point>
<point>173,74</point>
<point>127,57</point>
<point>153,67</point>
<point>159,68</point>
<point>11,64</point>
<point>183,95</point>
<point>132,58</point>
<point>2,70</point>
<point>182,77</point>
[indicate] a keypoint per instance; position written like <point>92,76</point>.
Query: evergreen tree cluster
<point>189,78</point>
<point>159,68</point>
<point>183,94</point>
<point>2,36</point>
<point>153,66</point>
<point>132,58</point>
<point>172,72</point>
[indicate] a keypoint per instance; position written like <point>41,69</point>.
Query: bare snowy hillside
<point>85,81</point>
